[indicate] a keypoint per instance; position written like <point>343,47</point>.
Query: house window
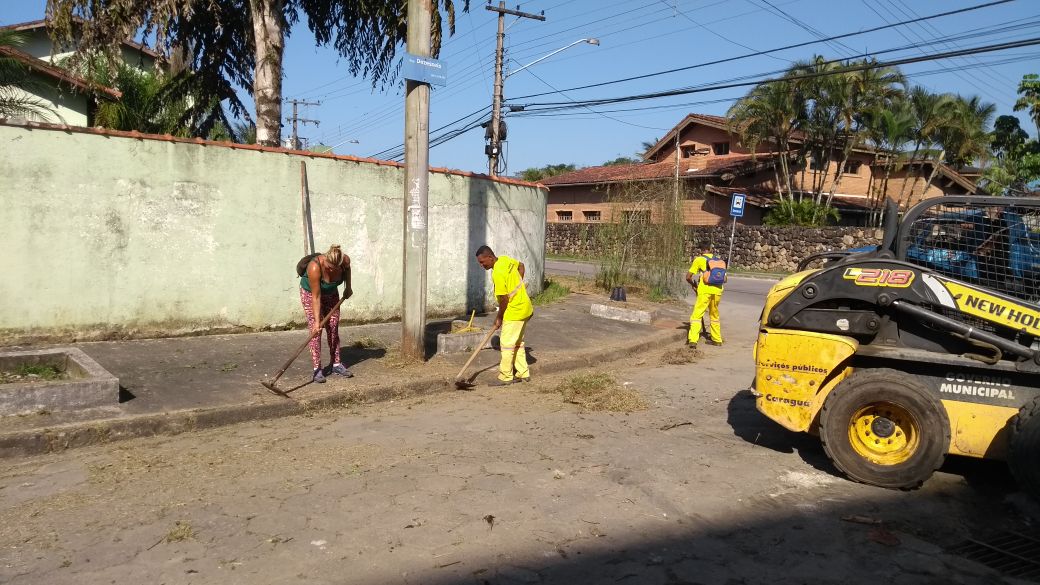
<point>852,167</point>
<point>817,165</point>
<point>688,151</point>
<point>564,216</point>
<point>720,148</point>
<point>592,216</point>
<point>640,216</point>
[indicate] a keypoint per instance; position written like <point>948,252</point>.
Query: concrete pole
<point>416,188</point>
<point>496,109</point>
<point>295,144</point>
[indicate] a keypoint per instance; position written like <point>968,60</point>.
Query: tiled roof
<point>254,147</point>
<point>768,198</point>
<point>63,75</point>
<point>661,170</point>
<point>37,24</point>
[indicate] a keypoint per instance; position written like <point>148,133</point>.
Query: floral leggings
<point>328,300</point>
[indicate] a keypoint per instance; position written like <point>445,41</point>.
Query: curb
<point>83,434</point>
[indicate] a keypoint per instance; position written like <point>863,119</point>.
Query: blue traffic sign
<point>736,206</point>
<point>425,70</point>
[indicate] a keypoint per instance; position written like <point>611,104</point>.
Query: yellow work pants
<point>514,356</point>
<point>710,303</point>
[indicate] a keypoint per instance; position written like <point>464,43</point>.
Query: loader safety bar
<point>963,329</point>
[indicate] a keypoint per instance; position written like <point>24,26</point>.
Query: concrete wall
<point>106,235</point>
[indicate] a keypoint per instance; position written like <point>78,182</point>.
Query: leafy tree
<point>1029,98</point>
<point>1008,135</point>
<point>1017,159</point>
<point>239,44</point>
<point>535,174</point>
<point>621,160</point>
<point>17,84</point>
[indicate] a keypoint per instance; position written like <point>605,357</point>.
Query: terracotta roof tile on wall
<point>253,147</point>
<point>651,171</point>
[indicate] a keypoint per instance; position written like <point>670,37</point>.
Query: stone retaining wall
<point>755,248</point>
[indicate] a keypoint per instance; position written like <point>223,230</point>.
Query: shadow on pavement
<point>801,535</point>
<point>754,427</point>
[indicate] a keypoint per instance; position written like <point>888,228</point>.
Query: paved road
<point>495,486</point>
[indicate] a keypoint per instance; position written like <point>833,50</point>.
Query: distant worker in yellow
<point>514,311</point>
<point>707,275</point>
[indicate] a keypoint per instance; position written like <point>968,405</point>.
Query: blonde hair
<point>334,255</point>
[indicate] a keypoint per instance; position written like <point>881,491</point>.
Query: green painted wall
<point>109,236</point>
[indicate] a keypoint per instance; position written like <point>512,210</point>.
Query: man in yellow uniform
<point>705,277</point>
<point>514,311</point>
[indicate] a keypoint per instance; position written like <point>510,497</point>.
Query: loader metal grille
<point>994,244</point>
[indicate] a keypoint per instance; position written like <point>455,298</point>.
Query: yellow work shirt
<point>700,264</point>
<point>506,276</point>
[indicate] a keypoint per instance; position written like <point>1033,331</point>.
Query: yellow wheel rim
<point>884,433</point>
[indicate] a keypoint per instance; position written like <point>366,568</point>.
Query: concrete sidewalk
<point>178,384</point>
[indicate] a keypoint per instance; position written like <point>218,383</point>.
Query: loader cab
<point>990,241</point>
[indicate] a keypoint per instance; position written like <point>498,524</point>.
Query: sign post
<point>736,209</point>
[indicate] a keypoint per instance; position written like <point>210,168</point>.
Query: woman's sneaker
<point>342,370</point>
<point>319,377</point>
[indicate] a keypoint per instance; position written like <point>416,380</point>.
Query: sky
<point>637,37</point>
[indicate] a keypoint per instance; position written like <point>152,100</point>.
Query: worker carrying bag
<point>301,266</point>
<point>715,275</point>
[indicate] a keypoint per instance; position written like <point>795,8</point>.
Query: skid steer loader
<point>924,346</point>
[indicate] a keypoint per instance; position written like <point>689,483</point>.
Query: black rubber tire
<point>884,385</point>
<point>1024,448</point>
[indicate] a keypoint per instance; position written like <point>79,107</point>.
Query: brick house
<point>710,163</point>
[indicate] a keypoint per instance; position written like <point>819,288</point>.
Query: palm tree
<point>860,92</point>
<point>769,112</point>
<point>17,84</point>
<point>1029,90</point>
<point>889,129</point>
<point>931,112</point>
<point>819,115</point>
<point>966,138</point>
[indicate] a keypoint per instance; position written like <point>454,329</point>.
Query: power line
<point>554,112</point>
<point>848,69</point>
<point>784,48</point>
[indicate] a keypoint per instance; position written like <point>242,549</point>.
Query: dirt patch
<point>680,356</point>
<point>600,392</point>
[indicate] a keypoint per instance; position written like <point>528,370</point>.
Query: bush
<point>800,213</point>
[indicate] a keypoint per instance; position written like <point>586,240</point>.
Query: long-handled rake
<point>461,382</point>
<point>272,385</point>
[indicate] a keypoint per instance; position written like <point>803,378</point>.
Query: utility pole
<point>493,149</point>
<point>416,188</point>
<point>296,120</point>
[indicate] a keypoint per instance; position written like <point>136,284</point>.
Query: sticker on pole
<point>425,70</point>
<point>736,206</point>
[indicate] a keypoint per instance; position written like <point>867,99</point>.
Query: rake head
<point>270,386</point>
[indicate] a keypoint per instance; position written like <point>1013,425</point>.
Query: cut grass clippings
<point>599,392</point>
<point>552,292</point>
<point>680,356</point>
<point>181,531</point>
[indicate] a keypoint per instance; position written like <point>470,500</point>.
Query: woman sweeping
<point>319,294</point>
